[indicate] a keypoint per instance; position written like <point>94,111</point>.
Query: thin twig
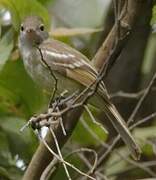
<point>101,159</point>
<point>127,95</point>
<point>49,169</point>
<point>61,122</point>
<point>146,92</point>
<point>59,152</point>
<point>151,116</point>
<point>90,166</point>
<point>116,6</point>
<point>65,162</point>
<point>86,150</point>
<point>51,73</point>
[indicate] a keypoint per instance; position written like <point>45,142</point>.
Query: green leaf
<point>23,143</point>
<point>18,92</point>
<point>5,154</point>
<point>153,21</point>
<point>6,46</point>
<point>8,102</point>
<point>21,8</point>
<point>149,57</point>
<point>45,2</point>
<point>8,169</point>
<point>10,173</point>
<point>83,136</point>
<point>4,173</point>
<point>0,29</point>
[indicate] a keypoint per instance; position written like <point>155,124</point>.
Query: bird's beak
<point>30,33</point>
<point>32,36</point>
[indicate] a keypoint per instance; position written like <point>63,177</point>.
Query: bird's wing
<point>69,62</point>
<point>74,65</point>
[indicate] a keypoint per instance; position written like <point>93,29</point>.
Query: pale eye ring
<point>42,27</point>
<point>22,28</point>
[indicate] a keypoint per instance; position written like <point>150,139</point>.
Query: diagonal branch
<point>127,19</point>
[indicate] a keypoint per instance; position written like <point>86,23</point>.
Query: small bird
<point>72,69</point>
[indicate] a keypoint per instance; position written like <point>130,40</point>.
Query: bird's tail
<point>119,124</point>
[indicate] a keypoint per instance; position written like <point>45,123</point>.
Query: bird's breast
<point>41,75</point>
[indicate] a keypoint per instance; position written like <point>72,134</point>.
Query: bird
<point>73,71</point>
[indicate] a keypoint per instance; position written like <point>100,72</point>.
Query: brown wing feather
<point>74,65</point>
<point>70,63</point>
<point>83,77</point>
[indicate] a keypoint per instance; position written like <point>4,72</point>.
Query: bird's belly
<point>41,75</point>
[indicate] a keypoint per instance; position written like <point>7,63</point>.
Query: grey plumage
<point>73,70</point>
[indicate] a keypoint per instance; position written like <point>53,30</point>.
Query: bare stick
<point>51,73</point>
<point>101,175</point>
<point>61,122</point>
<point>127,95</point>
<point>151,116</point>
<point>146,92</point>
<point>86,150</point>
<point>65,162</point>
<point>49,169</point>
<point>59,152</point>
<point>62,126</point>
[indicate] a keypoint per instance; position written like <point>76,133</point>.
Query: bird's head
<point>32,31</point>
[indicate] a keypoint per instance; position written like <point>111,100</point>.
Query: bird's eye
<point>22,28</point>
<point>42,27</point>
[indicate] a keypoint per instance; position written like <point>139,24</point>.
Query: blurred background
<point>84,26</point>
